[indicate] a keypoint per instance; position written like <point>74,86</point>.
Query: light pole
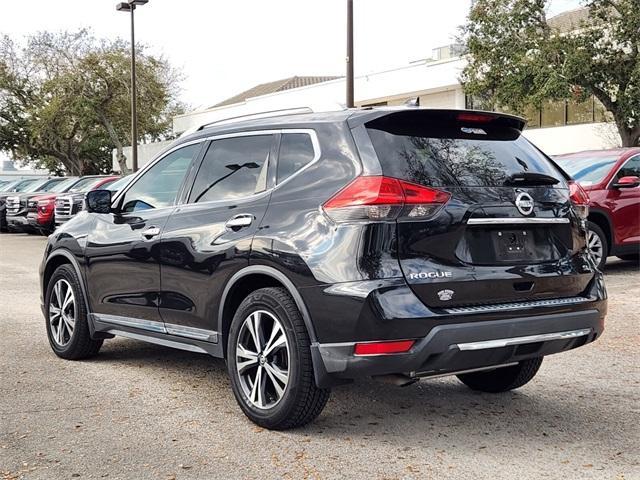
<point>130,6</point>
<point>350,103</point>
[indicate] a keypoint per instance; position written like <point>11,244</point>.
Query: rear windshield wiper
<point>530,179</point>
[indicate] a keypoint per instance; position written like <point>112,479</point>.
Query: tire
<point>502,379</point>
<point>630,258</point>
<point>298,400</point>
<point>600,244</point>
<point>74,342</point>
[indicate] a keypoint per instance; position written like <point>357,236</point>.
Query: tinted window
<point>588,169</point>
<point>22,186</point>
<point>455,155</point>
<point>84,185</point>
<point>631,168</point>
<point>296,151</point>
<point>233,168</point>
<point>158,187</point>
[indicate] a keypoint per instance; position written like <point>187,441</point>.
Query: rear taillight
<point>580,199</point>
<point>383,348</point>
<point>380,198</point>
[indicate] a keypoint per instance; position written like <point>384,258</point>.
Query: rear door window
<point>449,155</point>
<point>233,168</point>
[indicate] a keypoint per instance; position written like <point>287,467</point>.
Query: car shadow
<point>621,266</point>
<point>425,412</point>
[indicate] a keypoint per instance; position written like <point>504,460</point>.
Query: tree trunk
<point>630,136</point>
<point>111,131</point>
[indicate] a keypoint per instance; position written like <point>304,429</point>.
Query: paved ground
<point>140,411</point>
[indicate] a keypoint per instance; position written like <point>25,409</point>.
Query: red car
<point>41,209</point>
<point>611,178</point>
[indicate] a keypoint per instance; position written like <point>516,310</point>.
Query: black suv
<point>312,249</point>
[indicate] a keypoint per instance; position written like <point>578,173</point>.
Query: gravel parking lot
<point>142,411</point>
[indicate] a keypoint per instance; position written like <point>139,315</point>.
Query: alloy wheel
<point>262,359</point>
<point>595,246</point>
<point>62,312</point>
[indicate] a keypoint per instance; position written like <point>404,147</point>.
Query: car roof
<point>355,117</point>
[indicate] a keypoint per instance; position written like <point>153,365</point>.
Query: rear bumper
<point>446,340</point>
<point>463,346</point>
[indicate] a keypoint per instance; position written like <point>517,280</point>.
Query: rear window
<point>441,155</point>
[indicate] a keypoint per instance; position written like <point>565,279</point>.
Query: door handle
<point>151,232</point>
<point>239,221</point>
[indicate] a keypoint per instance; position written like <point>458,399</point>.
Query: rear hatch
<point>508,233</point>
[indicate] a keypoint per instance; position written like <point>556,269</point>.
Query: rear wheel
<point>66,314</point>
<point>269,362</point>
<point>597,244</point>
<point>502,379</point>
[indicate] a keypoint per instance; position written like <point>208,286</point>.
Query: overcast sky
<point>226,46</point>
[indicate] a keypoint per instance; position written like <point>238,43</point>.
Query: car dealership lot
<point>145,411</point>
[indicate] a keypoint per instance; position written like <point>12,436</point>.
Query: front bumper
<point>464,346</point>
<point>18,222</point>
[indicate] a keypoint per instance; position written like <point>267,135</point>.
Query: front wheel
<point>66,313</point>
<point>502,379</point>
<point>269,362</point>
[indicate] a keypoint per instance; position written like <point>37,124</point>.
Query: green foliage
<point>516,60</point>
<point>65,100</point>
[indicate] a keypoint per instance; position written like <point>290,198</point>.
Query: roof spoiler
<point>469,118</point>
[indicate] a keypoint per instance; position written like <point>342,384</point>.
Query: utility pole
<point>350,101</point>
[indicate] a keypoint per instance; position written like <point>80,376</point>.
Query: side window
<point>631,168</point>
<point>159,185</point>
<point>296,151</point>
<point>233,168</point>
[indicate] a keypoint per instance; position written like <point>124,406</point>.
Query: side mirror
<point>98,201</point>
<point>627,182</point>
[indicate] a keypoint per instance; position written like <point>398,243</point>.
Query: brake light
<point>379,198</point>
<point>475,117</point>
<point>579,198</point>
<point>383,348</point>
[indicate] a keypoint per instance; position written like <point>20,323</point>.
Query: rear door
<point>507,233</point>
<point>208,238</point>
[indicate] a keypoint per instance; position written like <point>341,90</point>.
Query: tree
<point>64,100</point>
<point>516,60</point>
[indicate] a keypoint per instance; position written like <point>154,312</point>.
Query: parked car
<point>310,250</point>
<point>41,210</point>
<point>68,205</point>
<point>17,203</point>
<point>8,189</point>
<point>612,180</point>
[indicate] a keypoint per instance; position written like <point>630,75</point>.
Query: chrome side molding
<point>506,342</point>
<point>159,327</point>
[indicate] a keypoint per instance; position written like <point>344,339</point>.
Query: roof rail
<point>249,116</point>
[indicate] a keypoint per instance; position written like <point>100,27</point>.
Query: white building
<point>558,127</point>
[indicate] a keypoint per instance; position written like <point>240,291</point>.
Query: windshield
<point>85,184</point>
<point>588,170</point>
<point>64,185</point>
<point>42,186</point>
<point>22,185</point>
<point>119,184</point>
